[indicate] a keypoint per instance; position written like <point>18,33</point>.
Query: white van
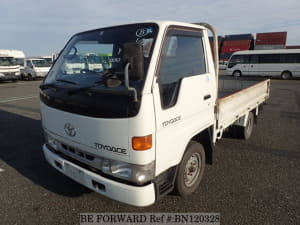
<point>9,67</point>
<point>284,63</point>
<point>36,67</point>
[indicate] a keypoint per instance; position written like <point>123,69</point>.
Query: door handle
<point>207,97</point>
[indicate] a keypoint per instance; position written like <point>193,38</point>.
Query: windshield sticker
<point>143,32</point>
<point>119,51</point>
<point>140,41</point>
<point>114,60</point>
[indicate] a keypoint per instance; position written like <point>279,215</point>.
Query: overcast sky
<point>40,27</point>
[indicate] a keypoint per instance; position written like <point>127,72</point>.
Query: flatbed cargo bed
<point>238,96</point>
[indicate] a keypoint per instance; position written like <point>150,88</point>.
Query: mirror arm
<point>127,82</point>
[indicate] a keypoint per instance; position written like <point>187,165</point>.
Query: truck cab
<point>9,64</point>
<point>36,67</point>
<point>144,124</point>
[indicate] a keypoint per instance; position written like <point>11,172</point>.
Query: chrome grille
<point>80,155</point>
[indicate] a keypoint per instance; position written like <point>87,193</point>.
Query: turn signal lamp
<point>142,143</point>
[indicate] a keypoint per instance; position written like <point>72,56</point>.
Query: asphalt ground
<point>251,182</point>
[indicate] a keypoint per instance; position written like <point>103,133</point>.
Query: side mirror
<point>133,54</point>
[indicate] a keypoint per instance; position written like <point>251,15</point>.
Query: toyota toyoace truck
<point>147,123</point>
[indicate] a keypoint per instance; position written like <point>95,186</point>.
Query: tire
<point>286,75</point>
<point>29,77</point>
<point>240,132</point>
<point>247,130</point>
<point>23,76</point>
<point>190,170</point>
<point>237,73</point>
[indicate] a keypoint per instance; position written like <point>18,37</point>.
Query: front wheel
<point>190,170</point>
<point>30,77</point>
<point>22,76</point>
<point>286,75</point>
<point>237,73</point>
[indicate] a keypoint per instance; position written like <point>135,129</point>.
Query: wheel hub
<point>192,170</point>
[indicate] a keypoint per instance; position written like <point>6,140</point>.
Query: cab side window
<point>254,59</point>
<point>182,56</point>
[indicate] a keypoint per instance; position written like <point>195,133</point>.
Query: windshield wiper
<point>67,81</point>
<point>76,90</point>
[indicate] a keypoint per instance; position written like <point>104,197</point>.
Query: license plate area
<point>74,173</point>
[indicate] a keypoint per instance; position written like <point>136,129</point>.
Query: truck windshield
<point>20,61</point>
<point>93,54</point>
<point>8,61</point>
<point>40,63</point>
<point>48,59</point>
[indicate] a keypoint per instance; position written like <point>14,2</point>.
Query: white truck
<point>147,125</point>
<point>19,57</point>
<point>35,68</point>
<point>10,64</point>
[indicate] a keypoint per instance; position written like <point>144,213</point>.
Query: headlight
<point>139,174</point>
<point>51,141</point>
<point>17,73</point>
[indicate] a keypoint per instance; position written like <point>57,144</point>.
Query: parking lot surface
<point>251,182</point>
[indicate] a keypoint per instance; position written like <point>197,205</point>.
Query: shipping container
<point>231,49</point>
<point>225,56</point>
<point>237,43</point>
<point>220,42</point>
<point>236,37</point>
<point>272,38</point>
<point>269,47</point>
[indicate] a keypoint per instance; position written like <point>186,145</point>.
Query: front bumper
<point>8,76</point>
<point>41,74</point>
<point>133,195</point>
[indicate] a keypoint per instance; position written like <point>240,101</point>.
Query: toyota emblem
<point>70,129</point>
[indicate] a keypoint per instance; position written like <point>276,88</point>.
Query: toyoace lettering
<point>153,107</point>
<point>166,123</point>
<point>110,148</point>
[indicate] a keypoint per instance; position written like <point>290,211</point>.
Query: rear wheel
<point>190,170</point>
<point>247,130</point>
<point>286,75</point>
<point>237,73</point>
<point>243,132</point>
